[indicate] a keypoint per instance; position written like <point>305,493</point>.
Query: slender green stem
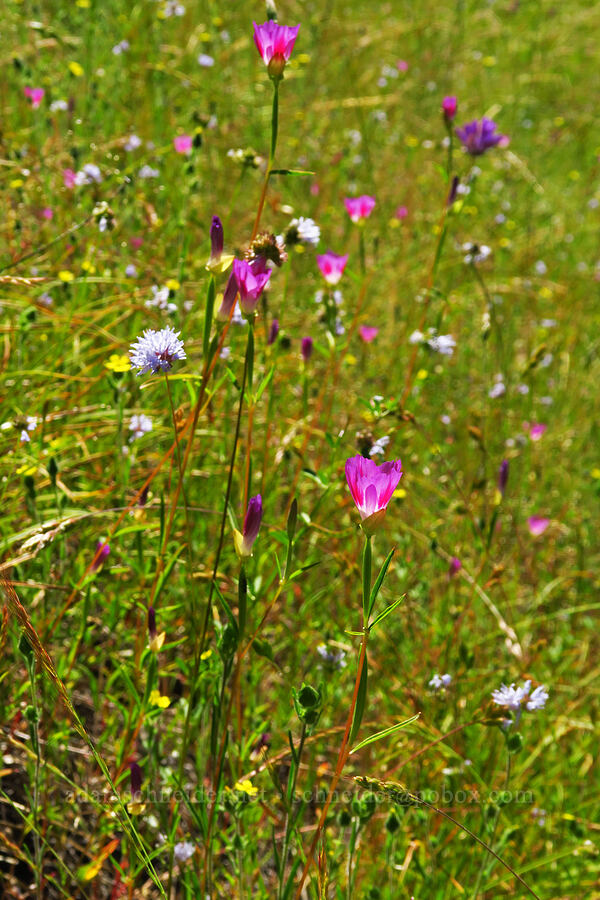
<point>366,574</point>
<point>484,861</point>
<point>274,122</point>
<point>288,814</point>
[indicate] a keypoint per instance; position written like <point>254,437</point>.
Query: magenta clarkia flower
<point>332,266</point>
<point>401,212</point>
<point>536,432</point>
<point>537,525</point>
<point>183,143</point>
<point>368,333</point>
<point>275,44</point>
<point>359,208</point>
<point>306,348</point>
<point>480,135</point>
<point>372,486</point>
<point>34,95</point>
<point>449,107</point>
<point>250,283</point>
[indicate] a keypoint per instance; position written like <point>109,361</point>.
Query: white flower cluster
<point>160,299</point>
<point>440,343</point>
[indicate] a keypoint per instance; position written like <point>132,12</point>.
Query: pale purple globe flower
<point>155,351</point>
<point>480,135</point>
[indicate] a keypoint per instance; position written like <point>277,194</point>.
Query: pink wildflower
<point>372,486</point>
<point>34,95</point>
<point>401,212</point>
<point>183,143</point>
<point>250,283</point>
<point>536,432</point>
<point>537,525</point>
<point>368,333</point>
<point>69,178</point>
<point>359,208</point>
<point>332,266</point>
<point>449,107</point>
<point>275,44</point>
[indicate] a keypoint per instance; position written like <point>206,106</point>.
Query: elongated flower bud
<point>216,239</point>
<point>245,541</point>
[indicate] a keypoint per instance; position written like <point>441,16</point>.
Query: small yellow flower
<point>422,374</point>
<point>489,61</point>
<point>84,4</point>
<point>411,141</point>
<point>76,69</point>
<point>245,786</point>
<point>206,655</point>
<point>400,493</point>
<point>596,473</point>
<point>26,469</point>
<point>303,58</point>
<point>89,267</point>
<point>558,121</point>
<point>158,699</point>
<point>350,360</point>
<point>17,183</point>
<point>118,362</point>
<point>65,276</point>
<point>545,293</point>
<point>172,284</point>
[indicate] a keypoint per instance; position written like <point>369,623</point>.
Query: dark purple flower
<point>273,331</point>
<point>216,239</point>
<point>252,519</point>
<point>136,780</point>
<point>102,551</point>
<point>480,135</point>
<point>455,566</point>
<point>503,476</point>
<point>151,622</point>
<point>307,348</point>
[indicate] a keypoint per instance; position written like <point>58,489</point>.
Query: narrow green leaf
<point>386,611</point>
<point>226,606</point>
<point>361,700</point>
<point>384,733</point>
<point>379,582</point>
<point>290,172</point>
<point>264,383</point>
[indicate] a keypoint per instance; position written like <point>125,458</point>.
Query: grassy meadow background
<point>84,701</point>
